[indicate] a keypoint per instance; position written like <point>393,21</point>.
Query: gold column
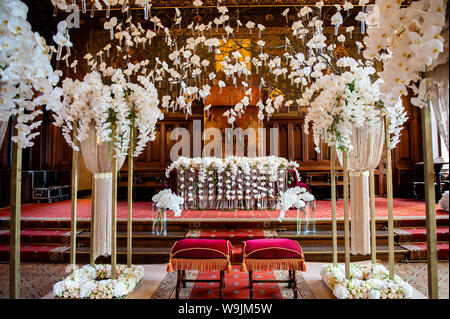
<point>346,218</point>
<point>333,202</point>
<point>430,201</point>
<point>73,214</point>
<point>390,199</point>
<point>14,226</point>
<point>373,230</point>
<point>92,258</point>
<point>114,211</point>
<point>130,199</point>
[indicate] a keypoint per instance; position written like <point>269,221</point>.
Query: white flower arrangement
<point>25,83</point>
<point>366,281</point>
<point>267,164</point>
<point>414,38</point>
<point>168,200</point>
<point>105,100</point>
<point>346,101</point>
<point>293,197</point>
<point>94,282</point>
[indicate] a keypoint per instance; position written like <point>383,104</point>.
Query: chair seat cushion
<point>272,249</point>
<point>201,249</point>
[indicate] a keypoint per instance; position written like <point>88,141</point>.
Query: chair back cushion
<point>201,248</point>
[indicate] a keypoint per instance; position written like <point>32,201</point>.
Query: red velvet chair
<point>200,254</point>
<point>273,254</point>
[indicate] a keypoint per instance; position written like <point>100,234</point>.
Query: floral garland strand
<point>366,281</point>
<point>94,282</point>
<point>25,83</point>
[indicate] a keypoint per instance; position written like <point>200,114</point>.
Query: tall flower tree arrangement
<point>105,110</point>
<point>343,97</point>
<point>413,42</point>
<point>25,84</point>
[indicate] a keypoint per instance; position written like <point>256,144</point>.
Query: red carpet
<point>236,286</point>
<point>142,210</point>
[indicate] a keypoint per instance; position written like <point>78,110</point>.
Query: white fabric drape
<point>3,129</point>
<point>365,155</point>
<point>440,100</point>
<point>97,158</point>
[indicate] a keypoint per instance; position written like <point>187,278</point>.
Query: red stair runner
<point>39,236</point>
<point>419,234</point>
<point>230,234</point>
<point>34,252</point>
<point>418,251</point>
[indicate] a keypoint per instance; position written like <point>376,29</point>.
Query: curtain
<point>440,100</point>
<point>97,158</point>
<point>3,129</point>
<point>365,155</point>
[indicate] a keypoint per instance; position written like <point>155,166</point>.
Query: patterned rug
<point>416,274</point>
<point>143,210</point>
<point>236,286</point>
<point>36,279</point>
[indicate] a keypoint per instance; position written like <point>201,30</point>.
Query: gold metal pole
<point>130,200</point>
<point>390,199</point>
<point>430,201</point>
<point>73,214</point>
<point>346,218</point>
<point>14,226</point>
<point>92,257</point>
<point>333,202</point>
<point>373,230</point>
<point>114,213</point>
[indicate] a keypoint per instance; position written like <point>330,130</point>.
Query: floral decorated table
<point>232,182</point>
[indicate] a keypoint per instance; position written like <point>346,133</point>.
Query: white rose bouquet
<point>366,281</point>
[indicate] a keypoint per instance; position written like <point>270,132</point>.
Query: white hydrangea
<point>374,294</point>
<point>340,292</point>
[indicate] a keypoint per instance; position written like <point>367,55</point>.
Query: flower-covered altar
<point>232,182</point>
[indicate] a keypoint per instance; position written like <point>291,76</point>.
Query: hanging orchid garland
<point>25,83</point>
